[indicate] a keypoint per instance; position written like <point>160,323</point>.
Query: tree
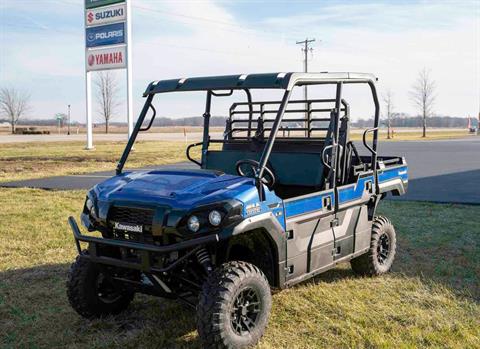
<point>13,104</point>
<point>423,96</point>
<point>107,96</point>
<point>388,100</point>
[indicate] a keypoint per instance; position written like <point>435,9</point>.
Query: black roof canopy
<point>255,81</point>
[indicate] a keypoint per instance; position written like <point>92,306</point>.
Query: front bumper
<point>146,251</point>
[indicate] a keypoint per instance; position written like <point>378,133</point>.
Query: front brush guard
<point>145,250</point>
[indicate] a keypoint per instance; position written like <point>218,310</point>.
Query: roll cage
<point>216,87</point>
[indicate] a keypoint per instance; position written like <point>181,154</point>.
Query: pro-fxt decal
<point>253,208</point>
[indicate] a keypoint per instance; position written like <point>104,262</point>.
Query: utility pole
<point>305,50</point>
<point>68,132</point>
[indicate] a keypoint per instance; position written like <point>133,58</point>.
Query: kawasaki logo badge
<point>128,227</point>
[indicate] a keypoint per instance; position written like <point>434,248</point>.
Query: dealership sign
<point>106,58</point>
<point>109,34</point>
<point>104,15</point>
<point>98,3</point>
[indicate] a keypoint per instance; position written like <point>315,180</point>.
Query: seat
<point>291,168</point>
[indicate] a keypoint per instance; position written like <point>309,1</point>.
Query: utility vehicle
<point>275,201</point>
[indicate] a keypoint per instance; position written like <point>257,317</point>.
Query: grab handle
<point>323,156</point>
<point>365,139</point>
<point>325,149</point>
<point>188,153</point>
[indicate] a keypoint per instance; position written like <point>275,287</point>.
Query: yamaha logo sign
<point>106,58</point>
<point>104,15</point>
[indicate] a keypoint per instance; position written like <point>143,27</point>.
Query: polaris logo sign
<point>109,34</point>
<point>105,15</point>
<point>106,58</point>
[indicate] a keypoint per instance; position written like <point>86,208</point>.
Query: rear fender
<point>394,180</point>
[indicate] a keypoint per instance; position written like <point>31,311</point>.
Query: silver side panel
<point>312,243</point>
<point>363,231</point>
<point>395,185</point>
<point>344,232</point>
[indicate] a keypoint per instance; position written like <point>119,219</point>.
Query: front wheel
<point>90,292</point>
<point>234,306</point>
<point>383,245</point>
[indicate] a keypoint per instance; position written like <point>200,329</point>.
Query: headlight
<point>90,207</point>
<point>89,204</point>
<point>215,218</point>
<point>193,224</point>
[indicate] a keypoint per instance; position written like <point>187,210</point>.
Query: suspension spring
<point>204,259</point>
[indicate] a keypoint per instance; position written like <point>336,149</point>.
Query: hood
<point>175,188</point>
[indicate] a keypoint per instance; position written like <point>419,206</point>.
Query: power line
<point>305,50</point>
<point>213,21</point>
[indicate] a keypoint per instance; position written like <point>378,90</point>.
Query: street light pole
<point>68,132</point>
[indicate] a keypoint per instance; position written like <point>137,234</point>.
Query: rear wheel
<point>90,292</point>
<point>234,306</point>
<point>383,244</point>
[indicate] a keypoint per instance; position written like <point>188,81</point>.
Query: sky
<point>42,49</point>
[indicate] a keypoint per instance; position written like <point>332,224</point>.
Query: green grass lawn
<point>431,299</point>
<point>35,160</point>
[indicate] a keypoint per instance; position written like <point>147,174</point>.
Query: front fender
<point>274,231</point>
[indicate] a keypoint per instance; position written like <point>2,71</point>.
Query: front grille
<point>138,216</point>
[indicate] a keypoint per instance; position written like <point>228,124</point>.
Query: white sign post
<point>88,87</point>
<point>129,69</point>
<point>108,37</point>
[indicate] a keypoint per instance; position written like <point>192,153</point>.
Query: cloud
<point>194,38</point>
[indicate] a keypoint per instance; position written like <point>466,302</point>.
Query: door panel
<point>310,242</point>
<point>363,231</point>
<point>345,232</point>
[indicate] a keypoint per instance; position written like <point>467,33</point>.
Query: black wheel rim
<point>383,248</point>
<point>106,292</point>
<point>245,311</point>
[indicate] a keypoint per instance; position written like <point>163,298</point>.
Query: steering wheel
<point>268,177</point>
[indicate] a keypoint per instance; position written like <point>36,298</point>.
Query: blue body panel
<point>187,189</point>
<point>389,174</point>
<point>178,189</point>
<point>314,202</point>
<point>307,204</point>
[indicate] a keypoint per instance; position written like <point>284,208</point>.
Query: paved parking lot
<point>439,171</point>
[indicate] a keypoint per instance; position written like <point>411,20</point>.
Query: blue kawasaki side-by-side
<point>283,196</point>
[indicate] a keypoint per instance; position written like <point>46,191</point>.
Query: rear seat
<point>293,163</point>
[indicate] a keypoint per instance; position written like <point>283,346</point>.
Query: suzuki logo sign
<point>90,17</point>
<point>104,15</point>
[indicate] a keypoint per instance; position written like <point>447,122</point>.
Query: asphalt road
<point>146,136</point>
<point>439,171</point>
<point>192,136</point>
